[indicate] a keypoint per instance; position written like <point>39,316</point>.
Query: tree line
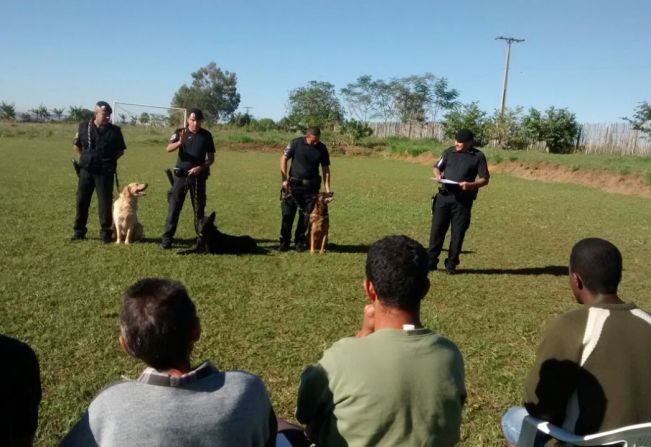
<point>419,98</point>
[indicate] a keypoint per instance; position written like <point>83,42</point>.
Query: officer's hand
<point>194,171</point>
<point>182,136</point>
<point>284,184</point>
<point>465,186</point>
<point>368,323</point>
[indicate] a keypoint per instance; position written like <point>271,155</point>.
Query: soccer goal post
<point>145,115</point>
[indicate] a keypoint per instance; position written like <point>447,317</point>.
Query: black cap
<point>464,136</point>
<point>198,114</point>
<point>104,106</point>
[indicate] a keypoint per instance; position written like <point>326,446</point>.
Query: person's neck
<point>98,123</point>
<point>606,298</point>
<point>393,318</point>
<point>178,370</point>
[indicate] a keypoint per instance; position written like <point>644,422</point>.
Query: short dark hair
<point>598,263</point>
<point>313,131</point>
<point>397,268</point>
<point>158,320</point>
<point>198,114</point>
<point>464,136</point>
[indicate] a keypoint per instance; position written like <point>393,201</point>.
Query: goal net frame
<point>116,104</point>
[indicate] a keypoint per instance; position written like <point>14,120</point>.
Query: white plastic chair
<point>638,435</point>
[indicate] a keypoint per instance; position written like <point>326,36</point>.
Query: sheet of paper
<point>446,181</point>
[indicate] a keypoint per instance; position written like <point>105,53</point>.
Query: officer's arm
<point>210,159</point>
<point>468,186</point>
<point>77,149</point>
<point>283,170</point>
<point>437,173</point>
<point>326,177</point>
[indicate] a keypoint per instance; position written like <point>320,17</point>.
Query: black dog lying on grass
<point>213,241</point>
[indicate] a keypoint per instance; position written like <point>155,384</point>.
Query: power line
<point>509,41</point>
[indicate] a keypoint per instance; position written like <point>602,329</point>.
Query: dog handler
<point>99,145</point>
<point>196,154</point>
<point>461,164</point>
<point>303,183</point>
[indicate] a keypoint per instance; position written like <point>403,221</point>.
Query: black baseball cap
<point>464,136</point>
<point>198,114</point>
<point>104,106</point>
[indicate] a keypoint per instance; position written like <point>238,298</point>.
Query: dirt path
<point>543,172</point>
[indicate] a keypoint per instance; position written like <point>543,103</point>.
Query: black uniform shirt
<point>462,166</point>
<point>306,158</point>
<point>100,146</point>
<point>194,149</point>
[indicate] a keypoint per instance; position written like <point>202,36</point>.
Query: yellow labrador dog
<point>125,218</point>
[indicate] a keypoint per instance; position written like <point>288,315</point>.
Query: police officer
<point>461,165</point>
<point>196,153</point>
<point>99,145</point>
<point>301,185</point>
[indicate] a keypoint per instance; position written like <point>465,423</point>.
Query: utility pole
<point>247,109</point>
<point>509,41</point>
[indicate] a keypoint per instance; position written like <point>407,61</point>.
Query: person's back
<point>591,372</point>
<point>392,387</point>
<point>171,403</point>
<point>216,409</point>
<point>396,383</point>
<point>598,358</point>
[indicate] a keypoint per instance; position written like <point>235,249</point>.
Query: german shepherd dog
<point>126,227</point>
<point>319,222</point>
<point>211,240</point>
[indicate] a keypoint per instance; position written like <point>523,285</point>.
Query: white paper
<point>446,181</point>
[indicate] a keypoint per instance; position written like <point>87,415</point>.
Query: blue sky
<point>593,57</point>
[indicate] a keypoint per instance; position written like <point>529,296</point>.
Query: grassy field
<point>274,313</point>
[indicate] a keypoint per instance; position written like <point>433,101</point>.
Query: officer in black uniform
<point>461,164</point>
<point>301,186</point>
<point>99,145</point>
<point>196,154</point>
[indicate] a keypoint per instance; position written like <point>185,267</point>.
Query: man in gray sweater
<point>171,403</point>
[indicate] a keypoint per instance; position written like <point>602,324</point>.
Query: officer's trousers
<point>196,184</point>
<point>301,199</point>
<point>102,182</point>
<point>448,210</point>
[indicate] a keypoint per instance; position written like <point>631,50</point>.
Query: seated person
<point>20,393</point>
<point>396,383</point>
<point>172,403</point>
<point>591,372</point>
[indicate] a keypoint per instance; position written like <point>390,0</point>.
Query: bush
<point>356,130</point>
<point>468,116</point>
<point>557,128</point>
<point>505,129</point>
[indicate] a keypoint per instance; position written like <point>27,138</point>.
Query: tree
<point>506,129</point>
<point>360,97</point>
<point>78,113</point>
<point>144,118</point>
<point>642,118</point>
<point>7,111</point>
<point>411,96</point>
<point>212,90</point>
<point>467,116</point>
<point>58,113</point>
<point>441,98</point>
<point>556,127</point>
<point>240,120</point>
<point>41,113</point>
<point>314,105</point>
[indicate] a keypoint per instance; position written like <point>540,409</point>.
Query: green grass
<point>273,314</point>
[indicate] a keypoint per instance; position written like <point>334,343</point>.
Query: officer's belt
<point>315,181</point>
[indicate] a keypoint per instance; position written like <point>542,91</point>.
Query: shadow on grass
<point>554,270</point>
<point>352,248</point>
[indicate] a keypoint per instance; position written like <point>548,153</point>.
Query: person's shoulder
<point>12,350</point>
<point>297,141</point>
<point>205,132</point>
<point>244,377</point>
<point>114,128</point>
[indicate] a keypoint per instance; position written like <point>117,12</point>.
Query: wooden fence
<point>593,138</point>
